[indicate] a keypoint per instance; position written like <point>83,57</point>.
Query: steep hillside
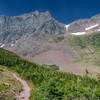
<point>88,47</point>
<point>38,25</point>
<point>50,84</point>
<point>24,34</point>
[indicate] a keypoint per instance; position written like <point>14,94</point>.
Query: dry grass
<point>9,87</point>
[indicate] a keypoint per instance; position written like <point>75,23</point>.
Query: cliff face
<point>23,34</point>
<point>38,25</point>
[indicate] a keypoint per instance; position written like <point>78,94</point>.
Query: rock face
<point>23,34</point>
<point>85,25</point>
<point>38,25</point>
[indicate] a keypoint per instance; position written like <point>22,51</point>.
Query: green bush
<point>4,86</point>
<point>58,39</point>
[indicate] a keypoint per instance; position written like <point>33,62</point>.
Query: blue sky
<point>64,11</point>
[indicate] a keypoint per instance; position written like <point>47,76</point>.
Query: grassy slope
<point>50,84</point>
<point>8,85</point>
<point>88,47</point>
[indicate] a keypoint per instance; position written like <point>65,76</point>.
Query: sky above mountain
<point>64,11</point>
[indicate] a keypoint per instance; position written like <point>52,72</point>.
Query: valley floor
<point>63,55</point>
<point>65,63</point>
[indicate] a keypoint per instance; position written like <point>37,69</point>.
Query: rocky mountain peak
<point>36,12</point>
<point>37,24</point>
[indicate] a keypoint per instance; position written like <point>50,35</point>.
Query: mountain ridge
<point>31,28</point>
<point>88,25</point>
<point>29,23</point>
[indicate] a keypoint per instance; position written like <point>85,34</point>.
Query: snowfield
<point>67,26</point>
<point>91,27</point>
<point>12,45</point>
<point>2,45</point>
<point>98,30</point>
<point>79,33</point>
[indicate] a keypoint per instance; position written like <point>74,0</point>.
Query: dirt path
<point>25,94</point>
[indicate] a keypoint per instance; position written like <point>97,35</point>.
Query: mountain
<point>35,24</point>
<point>84,26</point>
<point>23,34</point>
<point>40,38</point>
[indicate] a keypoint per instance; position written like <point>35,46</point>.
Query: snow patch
<point>91,27</point>
<point>67,26</point>
<point>12,45</point>
<point>2,45</point>
<point>98,30</point>
<point>79,33</point>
